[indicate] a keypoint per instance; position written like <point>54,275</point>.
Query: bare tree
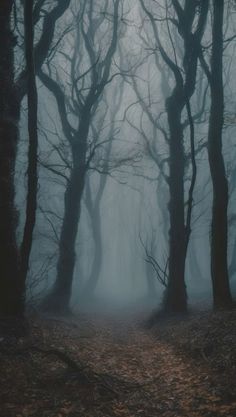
<point>80,105</point>
<point>93,199</point>
<point>12,93</point>
<point>189,21</point>
<point>219,228</point>
<point>32,98</point>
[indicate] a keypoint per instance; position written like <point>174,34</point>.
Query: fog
<point>117,208</point>
<point>124,208</point>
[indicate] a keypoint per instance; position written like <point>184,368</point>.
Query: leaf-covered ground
<point>100,366</point>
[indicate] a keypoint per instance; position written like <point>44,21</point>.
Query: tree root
<point>108,382</point>
<point>64,357</point>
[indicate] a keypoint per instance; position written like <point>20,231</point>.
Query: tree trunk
<point>59,299</point>
<point>11,278</point>
<point>151,289</point>
<point>219,269</point>
<point>175,298</point>
<point>10,297</point>
<point>91,284</point>
<point>31,200</point>
<point>232,265</point>
<point>190,21</point>
<point>93,208</point>
<point>195,270</point>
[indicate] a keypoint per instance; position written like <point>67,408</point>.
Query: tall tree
<point>219,227</point>
<point>32,101</point>
<point>93,199</point>
<point>190,21</point>
<point>12,265</point>
<point>10,300</point>
<point>81,105</point>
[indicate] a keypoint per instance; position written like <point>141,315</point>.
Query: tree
<point>219,227</point>
<point>32,101</point>
<point>189,21</point>
<point>80,105</point>
<point>10,297</point>
<point>102,165</point>
<point>13,264</point>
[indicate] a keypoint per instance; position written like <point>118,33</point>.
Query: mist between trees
<point>117,154</point>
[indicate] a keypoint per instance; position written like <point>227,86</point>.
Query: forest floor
<point>95,365</point>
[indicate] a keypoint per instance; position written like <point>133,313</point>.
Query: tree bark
<point>13,268</point>
<point>32,98</point>
<point>219,228</point>
<point>58,300</point>
<point>44,43</point>
<point>190,21</point>
<point>10,297</point>
<point>175,298</point>
<point>85,107</point>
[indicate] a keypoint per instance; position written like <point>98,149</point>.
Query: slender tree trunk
<point>31,201</point>
<point>92,282</point>
<point>151,289</point>
<point>219,240</point>
<point>93,208</point>
<point>232,266</point>
<point>10,300</point>
<point>195,269</point>
<point>175,299</point>
<point>95,216</point>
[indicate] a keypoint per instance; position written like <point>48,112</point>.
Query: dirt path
<point>170,384</point>
<point>136,374</point>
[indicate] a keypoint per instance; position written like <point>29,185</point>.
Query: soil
<point>98,365</point>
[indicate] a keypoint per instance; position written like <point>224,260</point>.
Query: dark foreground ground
<point>105,366</point>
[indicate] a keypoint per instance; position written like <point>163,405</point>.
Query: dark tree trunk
<point>85,105</point>
<point>219,241</point>
<point>175,295</point>
<point>232,266</point>
<point>12,280</point>
<point>190,21</point>
<point>59,298</point>
<point>162,202</point>
<point>32,98</point>
<point>10,297</point>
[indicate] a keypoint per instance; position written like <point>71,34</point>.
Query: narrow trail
<point>169,384</point>
<point>130,371</point>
